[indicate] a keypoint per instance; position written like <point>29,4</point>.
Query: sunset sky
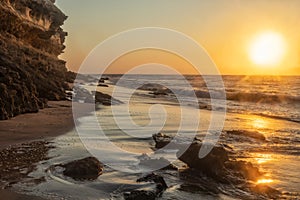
<point>232,31</point>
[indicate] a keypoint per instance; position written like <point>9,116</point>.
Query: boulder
<point>161,140</point>
<point>212,165</point>
<point>161,186</point>
<point>85,169</point>
<point>218,164</point>
<point>106,99</point>
<point>154,164</point>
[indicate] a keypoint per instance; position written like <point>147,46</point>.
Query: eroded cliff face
<point>31,38</point>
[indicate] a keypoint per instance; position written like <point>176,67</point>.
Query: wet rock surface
<point>16,163</point>
<point>156,164</point>
<point>212,165</point>
<point>220,166</point>
<point>161,140</point>
<point>251,134</point>
<point>85,169</point>
<point>30,41</point>
<point>161,186</point>
<point>106,99</point>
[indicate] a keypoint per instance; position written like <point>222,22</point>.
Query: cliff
<point>31,39</point>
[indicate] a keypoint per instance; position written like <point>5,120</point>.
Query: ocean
<point>266,105</point>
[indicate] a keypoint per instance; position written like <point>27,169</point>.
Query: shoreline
<point>41,126</point>
<point>48,123</point>
<point>55,120</point>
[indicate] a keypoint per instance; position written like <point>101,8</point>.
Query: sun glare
<point>267,49</point>
<point>264,181</point>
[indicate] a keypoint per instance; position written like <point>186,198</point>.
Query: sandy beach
<point>5,194</point>
<point>50,122</point>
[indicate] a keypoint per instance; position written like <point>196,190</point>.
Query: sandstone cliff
<point>31,38</point>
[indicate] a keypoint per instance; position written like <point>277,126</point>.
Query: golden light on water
<point>263,158</point>
<point>267,49</point>
<point>259,123</point>
<point>264,181</point>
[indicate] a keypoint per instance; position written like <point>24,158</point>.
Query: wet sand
<point>30,134</point>
<point>5,194</point>
<point>46,124</point>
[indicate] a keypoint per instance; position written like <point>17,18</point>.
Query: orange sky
<point>223,27</point>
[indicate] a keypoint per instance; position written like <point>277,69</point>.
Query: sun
<point>267,49</point>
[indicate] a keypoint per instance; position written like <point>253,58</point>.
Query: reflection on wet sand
<point>16,163</point>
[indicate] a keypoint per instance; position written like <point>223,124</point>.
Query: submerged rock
<point>106,99</point>
<point>267,191</point>
<point>161,140</point>
<point>102,85</point>
<point>212,165</point>
<point>140,195</point>
<point>155,164</point>
<point>251,134</point>
<point>85,169</point>
<point>218,167</point>
<point>244,169</point>
<point>159,93</point>
<point>217,164</point>
<point>161,186</point>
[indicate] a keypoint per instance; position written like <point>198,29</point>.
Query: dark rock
<point>140,195</point>
<point>85,169</point>
<point>217,164</point>
<point>155,88</point>
<point>244,169</point>
<point>159,93</point>
<point>267,191</point>
<point>159,180</point>
<point>204,106</point>
<point>161,140</point>
<point>105,78</point>
<point>70,76</point>
<point>251,134</point>
<point>161,186</point>
<point>102,85</point>
<point>106,99</point>
<point>29,67</point>
<point>154,164</point>
<point>212,165</point>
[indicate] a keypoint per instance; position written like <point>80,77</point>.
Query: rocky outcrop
<point>161,140</point>
<point>30,41</point>
<point>219,167</point>
<point>106,99</point>
<point>218,164</point>
<point>85,169</point>
<point>147,194</point>
<point>251,134</point>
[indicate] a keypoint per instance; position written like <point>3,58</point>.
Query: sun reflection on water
<point>264,181</point>
<point>263,158</point>
<point>259,123</point>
